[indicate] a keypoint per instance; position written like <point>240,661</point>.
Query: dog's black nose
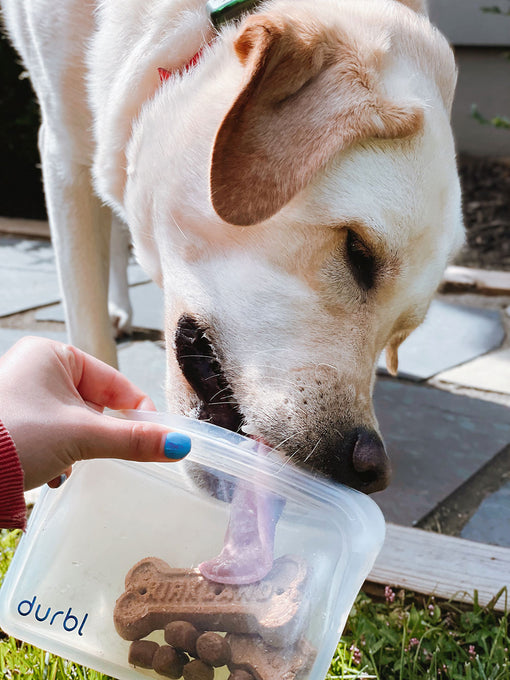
<point>370,462</point>
<point>359,460</point>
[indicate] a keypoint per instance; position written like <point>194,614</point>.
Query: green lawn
<point>408,638</point>
<point>400,638</point>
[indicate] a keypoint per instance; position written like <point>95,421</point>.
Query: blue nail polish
<point>61,479</point>
<point>177,445</point>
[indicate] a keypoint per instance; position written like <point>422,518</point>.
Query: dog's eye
<point>361,261</point>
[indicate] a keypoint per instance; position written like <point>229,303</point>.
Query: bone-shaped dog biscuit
<point>157,594</point>
<point>250,653</point>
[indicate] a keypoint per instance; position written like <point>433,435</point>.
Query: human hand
<point>52,398</point>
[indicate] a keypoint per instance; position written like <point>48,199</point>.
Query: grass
<point>402,637</point>
<point>411,638</point>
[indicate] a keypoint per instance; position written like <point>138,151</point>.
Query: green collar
<point>223,11</point>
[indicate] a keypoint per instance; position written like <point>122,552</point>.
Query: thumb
<point>108,437</point>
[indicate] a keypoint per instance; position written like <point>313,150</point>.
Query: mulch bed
<point>486,191</point>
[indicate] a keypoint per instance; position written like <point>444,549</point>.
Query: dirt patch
<point>486,197</point>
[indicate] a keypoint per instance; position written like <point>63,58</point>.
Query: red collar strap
<point>164,74</point>
<point>220,12</point>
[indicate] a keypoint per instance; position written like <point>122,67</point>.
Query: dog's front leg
<point>119,304</point>
<point>80,230</point>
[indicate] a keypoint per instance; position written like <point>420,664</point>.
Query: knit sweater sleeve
<point>12,500</point>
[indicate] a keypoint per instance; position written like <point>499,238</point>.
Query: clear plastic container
<point>69,570</point>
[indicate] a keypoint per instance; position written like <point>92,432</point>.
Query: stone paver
<point>51,313</point>
<point>24,253</point>
<point>28,276</point>
<point>491,522</point>
<point>436,441</point>
<point>144,364</point>
<point>490,373</point>
<point>146,301</point>
<point>27,289</point>
<point>28,272</point>
<point>449,336</point>
<point>9,336</point>
<point>17,252</point>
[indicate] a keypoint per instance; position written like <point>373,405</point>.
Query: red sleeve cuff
<point>13,511</point>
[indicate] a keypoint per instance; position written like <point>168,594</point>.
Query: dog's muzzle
<point>355,457</point>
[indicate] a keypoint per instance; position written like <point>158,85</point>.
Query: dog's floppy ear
<point>308,96</point>
<point>391,353</point>
<point>391,350</point>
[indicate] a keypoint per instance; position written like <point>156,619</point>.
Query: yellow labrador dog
<point>288,178</point>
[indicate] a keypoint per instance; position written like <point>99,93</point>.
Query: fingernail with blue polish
<point>177,445</point>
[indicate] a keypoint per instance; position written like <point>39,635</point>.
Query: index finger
<point>103,385</point>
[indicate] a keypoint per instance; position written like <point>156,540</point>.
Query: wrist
<point>12,500</point>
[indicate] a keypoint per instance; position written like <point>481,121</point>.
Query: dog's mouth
<point>248,551</point>
<point>202,369</point>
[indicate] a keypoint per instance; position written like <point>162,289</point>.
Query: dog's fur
<point>296,192</point>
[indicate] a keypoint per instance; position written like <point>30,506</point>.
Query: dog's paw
<point>121,318</point>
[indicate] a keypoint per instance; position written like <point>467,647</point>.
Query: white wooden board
<point>481,281</point>
<point>444,566</point>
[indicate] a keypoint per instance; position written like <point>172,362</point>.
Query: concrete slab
<point>9,336</point>
<point>436,441</point>
<point>449,336</point>
<point>148,309</point>
<point>51,313</point>
<point>136,274</point>
<point>26,289</point>
<point>17,252</point>
<point>23,253</point>
<point>146,299</point>
<point>464,23</point>
<point>144,364</point>
<point>490,373</point>
<point>28,272</point>
<point>491,522</point>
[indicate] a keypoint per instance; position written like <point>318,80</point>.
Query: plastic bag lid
<point>84,538</point>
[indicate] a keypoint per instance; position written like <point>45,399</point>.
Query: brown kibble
<point>213,649</point>
<point>239,674</point>
<point>169,662</point>
<point>182,635</point>
<point>197,670</point>
<point>141,653</point>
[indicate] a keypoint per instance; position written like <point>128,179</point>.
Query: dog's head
<point>296,196</point>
